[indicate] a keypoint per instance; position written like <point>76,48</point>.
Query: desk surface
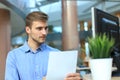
<point>88,77</point>
<point>88,68</point>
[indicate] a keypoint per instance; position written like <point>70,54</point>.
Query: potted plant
<point>100,47</point>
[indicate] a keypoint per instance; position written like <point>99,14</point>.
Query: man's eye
<point>42,28</point>
<point>46,28</point>
<point>39,28</point>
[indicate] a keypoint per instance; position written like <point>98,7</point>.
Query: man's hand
<point>73,76</point>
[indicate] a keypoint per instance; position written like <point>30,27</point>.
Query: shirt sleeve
<point>11,72</point>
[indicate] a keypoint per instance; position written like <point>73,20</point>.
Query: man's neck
<point>33,45</point>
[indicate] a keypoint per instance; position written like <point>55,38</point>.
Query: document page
<point>60,64</point>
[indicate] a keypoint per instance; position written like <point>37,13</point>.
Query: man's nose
<point>44,31</point>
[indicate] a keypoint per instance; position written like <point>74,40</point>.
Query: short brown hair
<point>36,16</point>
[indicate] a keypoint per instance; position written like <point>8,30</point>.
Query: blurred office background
<point>18,9</point>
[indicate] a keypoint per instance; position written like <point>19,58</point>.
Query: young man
<point>30,61</point>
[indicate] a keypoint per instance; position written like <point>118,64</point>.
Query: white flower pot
<point>101,69</point>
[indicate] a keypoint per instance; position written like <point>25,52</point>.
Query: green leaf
<point>100,46</point>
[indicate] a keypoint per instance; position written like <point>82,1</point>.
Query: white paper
<point>60,64</point>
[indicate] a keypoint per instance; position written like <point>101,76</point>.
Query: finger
<point>73,74</point>
<point>73,78</point>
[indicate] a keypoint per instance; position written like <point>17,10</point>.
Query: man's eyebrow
<point>42,27</point>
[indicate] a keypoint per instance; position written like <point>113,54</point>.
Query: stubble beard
<point>39,41</point>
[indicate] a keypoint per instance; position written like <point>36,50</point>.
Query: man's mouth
<point>43,37</point>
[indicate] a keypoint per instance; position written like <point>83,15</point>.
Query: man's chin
<point>41,42</point>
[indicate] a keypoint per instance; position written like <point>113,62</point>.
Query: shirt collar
<point>42,46</point>
<point>28,49</point>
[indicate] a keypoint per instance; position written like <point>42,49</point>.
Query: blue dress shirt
<point>24,64</point>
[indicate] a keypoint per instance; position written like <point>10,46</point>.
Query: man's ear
<point>27,29</point>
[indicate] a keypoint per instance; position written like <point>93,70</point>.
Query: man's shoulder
<point>52,48</point>
<point>16,50</point>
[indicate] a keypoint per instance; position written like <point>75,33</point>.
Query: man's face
<point>38,32</point>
